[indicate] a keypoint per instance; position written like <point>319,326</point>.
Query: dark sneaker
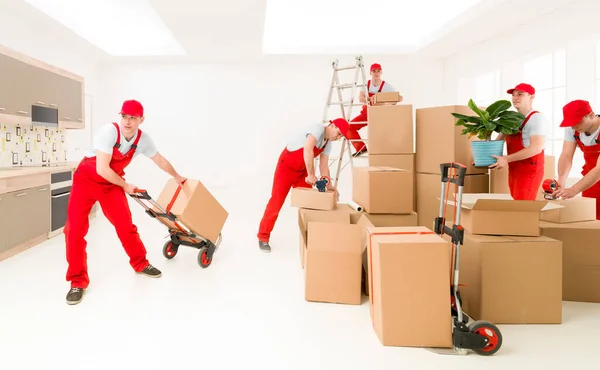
<point>360,152</point>
<point>151,271</point>
<point>75,295</point>
<point>264,246</point>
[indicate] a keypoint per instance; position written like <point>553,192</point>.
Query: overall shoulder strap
<point>137,139</point>
<point>118,142</point>
<point>381,86</point>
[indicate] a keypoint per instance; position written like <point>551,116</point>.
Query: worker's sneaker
<point>151,271</point>
<point>360,152</point>
<point>264,246</point>
<point>75,295</point>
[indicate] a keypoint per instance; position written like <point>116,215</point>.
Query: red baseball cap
<point>132,108</point>
<point>342,124</point>
<point>574,112</point>
<point>522,87</point>
<point>375,66</point>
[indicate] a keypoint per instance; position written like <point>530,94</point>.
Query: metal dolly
<point>481,336</point>
<point>180,236</point>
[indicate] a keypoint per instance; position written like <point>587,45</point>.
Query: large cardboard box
<point>581,258</point>
<point>578,209</point>
<point>402,161</point>
<point>438,140</point>
<point>312,198</point>
<point>428,191</point>
<point>383,189</point>
<point>499,177</point>
<point>333,257</point>
<point>390,129</point>
<point>195,207</point>
<point>409,293</point>
<point>511,280</point>
<point>499,214</point>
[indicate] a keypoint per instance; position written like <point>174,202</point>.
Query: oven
<point>60,189</point>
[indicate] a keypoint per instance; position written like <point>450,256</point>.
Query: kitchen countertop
<point>15,171</point>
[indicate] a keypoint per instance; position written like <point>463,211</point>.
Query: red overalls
<point>89,187</point>
<point>590,154</point>
<point>290,173</point>
<point>525,176</point>
<point>362,117</point>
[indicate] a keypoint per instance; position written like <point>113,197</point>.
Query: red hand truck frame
<point>180,236</point>
<point>481,336</point>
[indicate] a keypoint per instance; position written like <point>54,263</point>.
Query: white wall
<point>28,31</point>
<point>573,28</point>
<point>225,124</point>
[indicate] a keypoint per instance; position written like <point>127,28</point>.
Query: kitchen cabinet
<point>70,100</point>
<point>25,214</point>
<point>16,86</point>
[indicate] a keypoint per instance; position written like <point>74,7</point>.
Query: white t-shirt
<point>585,139</point>
<point>537,125</point>
<point>318,131</point>
<point>106,139</point>
<point>387,87</point>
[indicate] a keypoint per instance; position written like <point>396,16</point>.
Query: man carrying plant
<point>525,149</point>
<point>581,130</point>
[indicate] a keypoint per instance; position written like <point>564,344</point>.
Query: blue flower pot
<point>483,151</point>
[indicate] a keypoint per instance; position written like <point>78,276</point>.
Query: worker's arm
<point>309,156</point>
<point>166,166</point>
<point>103,169</point>
<point>324,165</point>
<point>535,147</point>
<point>565,161</point>
<point>588,180</point>
<point>361,97</point>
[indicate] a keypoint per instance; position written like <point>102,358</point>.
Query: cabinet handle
<point>22,194</point>
<point>60,195</point>
<point>43,189</point>
<point>21,111</point>
<point>2,108</point>
<point>79,119</point>
<point>53,105</point>
<point>66,118</point>
<point>41,102</point>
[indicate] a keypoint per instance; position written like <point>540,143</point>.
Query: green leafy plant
<point>495,118</point>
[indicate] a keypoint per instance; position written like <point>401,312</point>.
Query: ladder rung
<point>346,103</point>
<point>347,86</point>
<point>346,68</point>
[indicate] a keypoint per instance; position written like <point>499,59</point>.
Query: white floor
<point>246,310</point>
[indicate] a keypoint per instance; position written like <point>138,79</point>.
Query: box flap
<point>502,202</point>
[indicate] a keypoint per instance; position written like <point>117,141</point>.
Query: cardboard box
<point>312,198</point>
<point>499,177</point>
<point>390,129</point>
<point>511,280</point>
<point>499,214</point>
<point>578,209</point>
<point>383,189</point>
<point>387,97</point>
<point>438,140</point>
<point>306,215</point>
<point>402,161</point>
<point>195,207</point>
<point>409,278</point>
<point>333,257</point>
<point>428,189</point>
<point>581,258</point>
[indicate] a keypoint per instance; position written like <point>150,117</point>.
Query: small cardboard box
<point>308,215</point>
<point>409,276</point>
<point>578,209</point>
<point>311,198</point>
<point>195,207</point>
<point>499,214</point>
<point>511,280</point>
<point>387,97</point>
<point>390,129</point>
<point>383,189</point>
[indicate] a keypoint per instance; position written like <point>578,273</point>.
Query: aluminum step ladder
<point>359,82</point>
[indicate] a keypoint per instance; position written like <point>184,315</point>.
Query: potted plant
<point>495,118</point>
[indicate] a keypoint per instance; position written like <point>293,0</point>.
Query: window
<point>548,74</point>
<point>487,88</point>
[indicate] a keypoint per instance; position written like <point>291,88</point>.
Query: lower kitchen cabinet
<point>25,215</point>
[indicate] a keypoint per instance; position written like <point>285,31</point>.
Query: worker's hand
<point>500,162</point>
<point>372,99</point>
<point>129,188</point>
<point>564,193</point>
<point>180,180</point>
<point>311,179</point>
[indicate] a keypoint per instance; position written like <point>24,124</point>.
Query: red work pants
<point>353,130</point>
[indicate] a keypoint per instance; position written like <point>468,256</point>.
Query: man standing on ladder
<point>373,86</point>
<point>296,168</point>
<point>525,149</point>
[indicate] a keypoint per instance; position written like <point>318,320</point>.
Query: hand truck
<point>180,236</point>
<point>483,337</point>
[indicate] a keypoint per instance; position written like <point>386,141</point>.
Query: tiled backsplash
<point>31,145</point>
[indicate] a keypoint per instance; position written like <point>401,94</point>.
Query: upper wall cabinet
<point>25,82</point>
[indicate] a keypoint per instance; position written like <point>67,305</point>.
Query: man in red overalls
<point>99,178</point>
<point>525,149</point>
<point>296,168</point>
<point>581,130</point>
<point>373,86</point>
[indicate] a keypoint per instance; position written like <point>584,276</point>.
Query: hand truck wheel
<point>203,258</point>
<point>170,249</point>
<point>491,332</point>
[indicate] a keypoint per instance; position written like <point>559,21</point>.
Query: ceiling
<point>232,30</point>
